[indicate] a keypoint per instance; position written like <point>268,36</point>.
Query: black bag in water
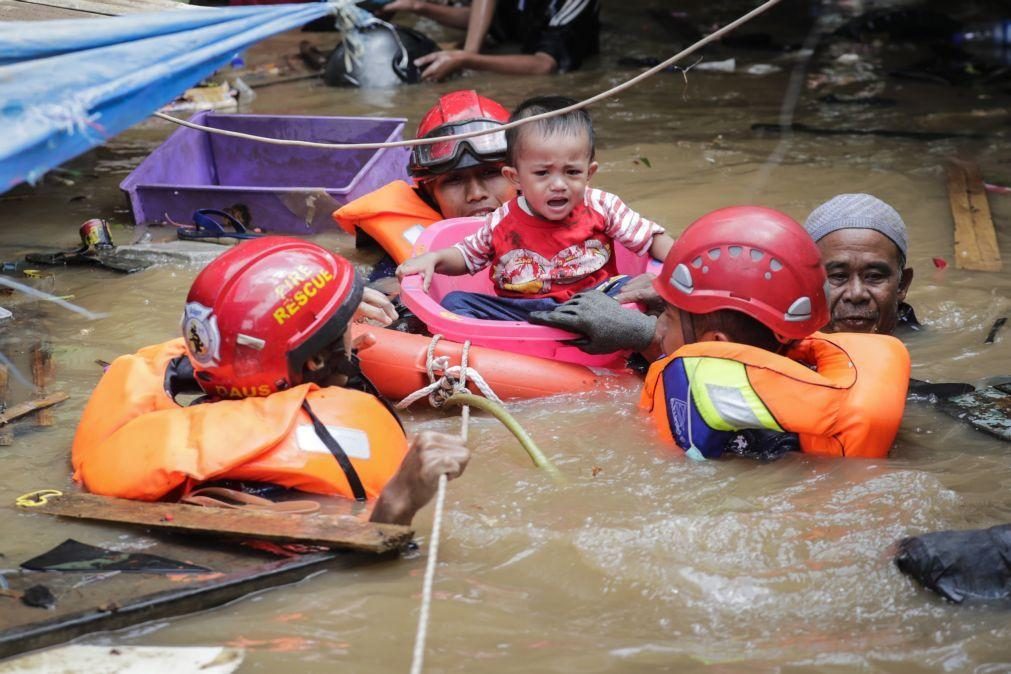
<point>387,59</point>
<point>960,565</point>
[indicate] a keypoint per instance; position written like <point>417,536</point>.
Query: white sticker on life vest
<point>353,441</point>
<point>413,233</point>
<point>680,415</point>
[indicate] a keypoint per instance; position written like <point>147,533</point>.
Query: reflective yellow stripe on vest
<point>730,404</point>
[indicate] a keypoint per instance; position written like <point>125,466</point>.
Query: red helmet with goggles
<point>750,259</point>
<point>256,314</point>
<point>459,112</point>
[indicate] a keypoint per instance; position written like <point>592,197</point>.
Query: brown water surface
<point>643,561</point>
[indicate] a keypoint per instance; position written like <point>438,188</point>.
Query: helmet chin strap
<point>343,361</point>
<point>337,360</point>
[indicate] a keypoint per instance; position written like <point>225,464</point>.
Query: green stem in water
<point>500,413</point>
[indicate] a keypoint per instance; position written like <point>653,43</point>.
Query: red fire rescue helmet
<point>256,314</point>
<point>750,259</point>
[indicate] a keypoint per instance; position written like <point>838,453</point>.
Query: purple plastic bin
<point>286,188</point>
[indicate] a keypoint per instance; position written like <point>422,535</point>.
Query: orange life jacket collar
<point>388,215</point>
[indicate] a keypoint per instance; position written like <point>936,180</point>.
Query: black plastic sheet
<point>74,556</point>
<point>960,565</point>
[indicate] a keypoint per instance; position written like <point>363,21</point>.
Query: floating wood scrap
<point>975,238</point>
<point>42,376</point>
<point>119,658</point>
<point>126,599</point>
<point>342,532</point>
<point>30,10</point>
<point>6,434</point>
<point>994,329</point>
<point>29,406</point>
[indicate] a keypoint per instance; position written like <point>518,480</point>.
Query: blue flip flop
<point>210,223</point>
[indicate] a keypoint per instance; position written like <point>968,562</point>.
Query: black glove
<point>607,326</point>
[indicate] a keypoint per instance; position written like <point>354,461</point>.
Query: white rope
<point>445,379</point>
<point>456,378</point>
<point>465,411</point>
<point>418,661</point>
<point>716,35</point>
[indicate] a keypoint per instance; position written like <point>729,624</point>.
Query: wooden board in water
<point>975,238</point>
<point>332,531</point>
<point>127,659</point>
<point>94,602</point>
<point>42,10</point>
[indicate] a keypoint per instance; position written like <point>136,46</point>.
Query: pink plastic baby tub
<point>514,336</point>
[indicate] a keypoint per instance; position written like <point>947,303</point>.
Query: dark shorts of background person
<point>566,30</point>
<point>495,308</point>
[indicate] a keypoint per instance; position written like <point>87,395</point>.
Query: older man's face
<point>866,280</point>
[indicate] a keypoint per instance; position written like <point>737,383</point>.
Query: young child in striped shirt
<point>554,240</point>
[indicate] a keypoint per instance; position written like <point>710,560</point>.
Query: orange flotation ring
<point>135,442</point>
<point>393,215</point>
<point>396,364</point>
<point>850,404</point>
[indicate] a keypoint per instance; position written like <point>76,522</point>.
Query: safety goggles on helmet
<point>444,156</point>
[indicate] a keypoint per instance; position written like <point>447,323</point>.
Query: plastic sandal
<point>207,226</point>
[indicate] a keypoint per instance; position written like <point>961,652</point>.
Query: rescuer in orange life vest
<point>454,179</point>
<point>742,294</point>
<point>266,343</point>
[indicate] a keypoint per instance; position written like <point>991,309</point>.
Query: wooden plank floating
<point>6,434</point>
<point>89,605</point>
<point>43,371</point>
<point>124,659</point>
<point>29,406</point>
<point>97,7</point>
<point>975,238</point>
<point>340,532</point>
<point>89,602</point>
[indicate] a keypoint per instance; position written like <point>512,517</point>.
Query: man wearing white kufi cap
<point>864,248</point>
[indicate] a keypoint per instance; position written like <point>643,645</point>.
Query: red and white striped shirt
<point>537,258</point>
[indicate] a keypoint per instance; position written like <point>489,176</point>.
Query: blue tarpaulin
<point>68,86</point>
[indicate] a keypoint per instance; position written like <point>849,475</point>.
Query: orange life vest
<point>849,404</point>
<point>135,442</point>
<point>394,215</point>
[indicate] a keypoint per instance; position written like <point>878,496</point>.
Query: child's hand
<point>422,264</point>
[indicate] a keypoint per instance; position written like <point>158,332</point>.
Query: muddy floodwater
<point>642,560</point>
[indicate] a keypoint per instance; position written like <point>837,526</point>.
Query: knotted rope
<point>448,386</point>
<point>444,380</point>
<point>452,380</point>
